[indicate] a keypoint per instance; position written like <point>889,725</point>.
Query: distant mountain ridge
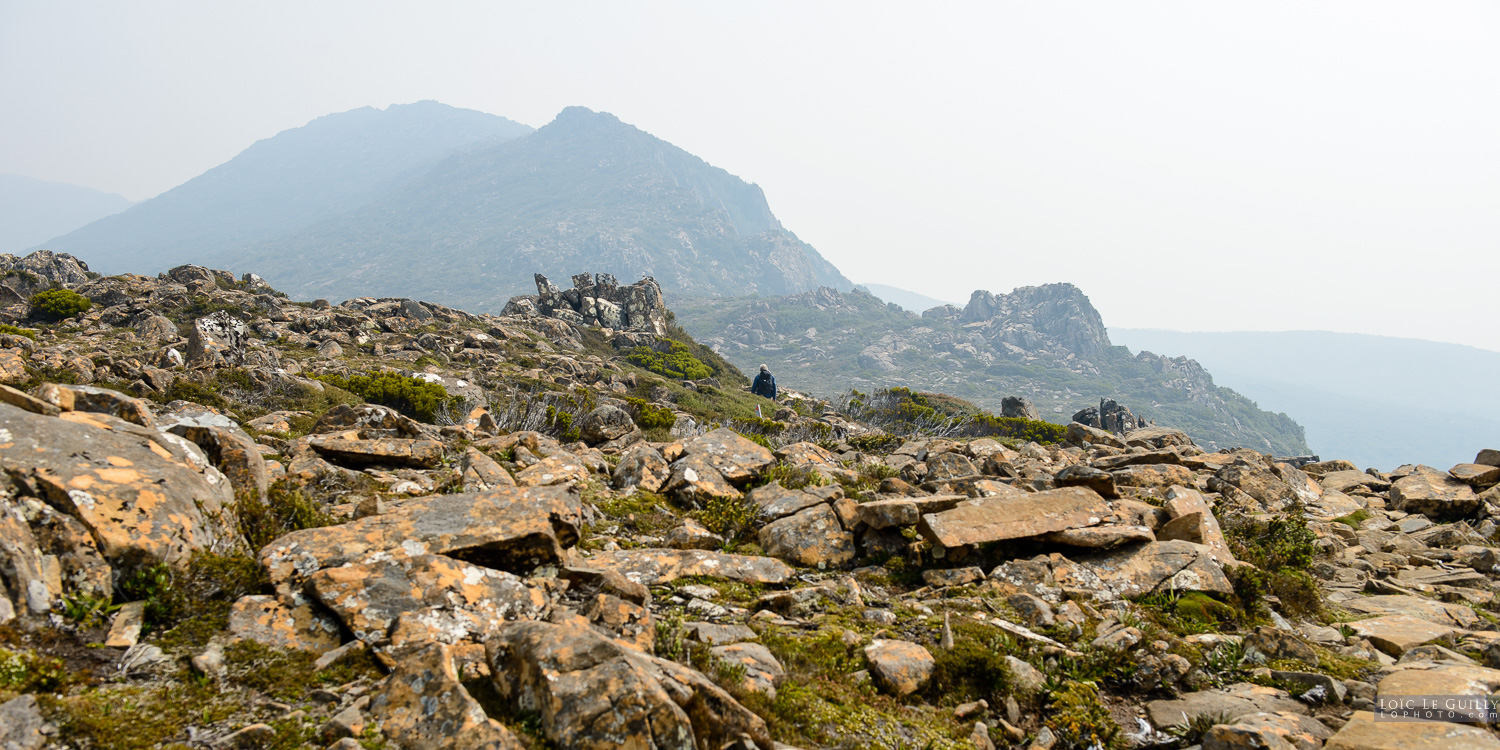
<point>280,184</point>
<point>584,191</point>
<point>33,210</point>
<point>1375,400</point>
<point>1047,343</point>
<point>461,207</point>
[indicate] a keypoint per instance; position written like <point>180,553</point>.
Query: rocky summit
<point>1044,345</point>
<point>229,519</point>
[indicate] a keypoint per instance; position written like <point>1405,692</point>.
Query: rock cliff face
<point>1046,343</point>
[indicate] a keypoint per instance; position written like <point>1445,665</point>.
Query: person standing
<point>765,384</point>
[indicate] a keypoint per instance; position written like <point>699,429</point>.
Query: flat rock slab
<point>1394,634</point>
<point>1442,613</point>
<point>1440,679</point>
<point>1364,733</point>
<point>1264,730</point>
<point>906,511</point>
<point>144,496</point>
<point>774,502</point>
<point>1131,572</point>
<point>1237,700</point>
<point>505,528</point>
<point>420,454</point>
<point>994,519</point>
<point>369,597</point>
<point>653,566</point>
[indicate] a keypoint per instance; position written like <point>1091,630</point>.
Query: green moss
<point>1079,719</point>
<point>137,718</point>
<point>15,331</point>
<point>29,672</point>
<point>1353,520</point>
<point>974,668</point>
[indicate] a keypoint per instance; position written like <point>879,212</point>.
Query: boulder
<point>1488,457</point>
<point>993,519</point>
<point>1260,484</point>
<point>480,472</point>
<point>1192,520</point>
<point>1478,476</point>
<point>371,420</point>
<point>899,667</point>
<point>1157,437</point>
<point>12,367</point>
<point>653,566</point>
<point>560,468</point>
<point>1081,434</point>
<point>1152,476</point>
<point>369,597</point>
<point>1443,613</point>
<point>143,495</point>
<point>813,537</point>
<point>505,529</point>
<point>641,466</point>
<point>1435,495</point>
<point>594,694</point>
<point>695,480</point>
<point>1019,407</point>
<point>605,423</point>
<point>735,457</point>
<point>422,704</point>
<point>1133,572</point>
<point>1083,475</point>
<point>217,340</point>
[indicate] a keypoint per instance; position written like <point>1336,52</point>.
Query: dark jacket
<point>764,385</point>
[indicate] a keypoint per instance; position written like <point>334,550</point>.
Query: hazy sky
<point>1190,165</point>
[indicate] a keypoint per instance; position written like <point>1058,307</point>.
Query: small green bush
<point>650,417</point>
<point>414,397</point>
<point>59,304</point>
<point>678,362</point>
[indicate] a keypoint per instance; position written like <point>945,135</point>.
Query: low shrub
<point>1080,719</point>
<point>651,417</point>
<point>59,304</point>
<point>414,397</point>
<point>678,362</point>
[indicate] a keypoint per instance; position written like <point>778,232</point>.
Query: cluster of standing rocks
<point>497,573</point>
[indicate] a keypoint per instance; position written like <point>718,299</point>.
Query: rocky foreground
<point>233,520</point>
